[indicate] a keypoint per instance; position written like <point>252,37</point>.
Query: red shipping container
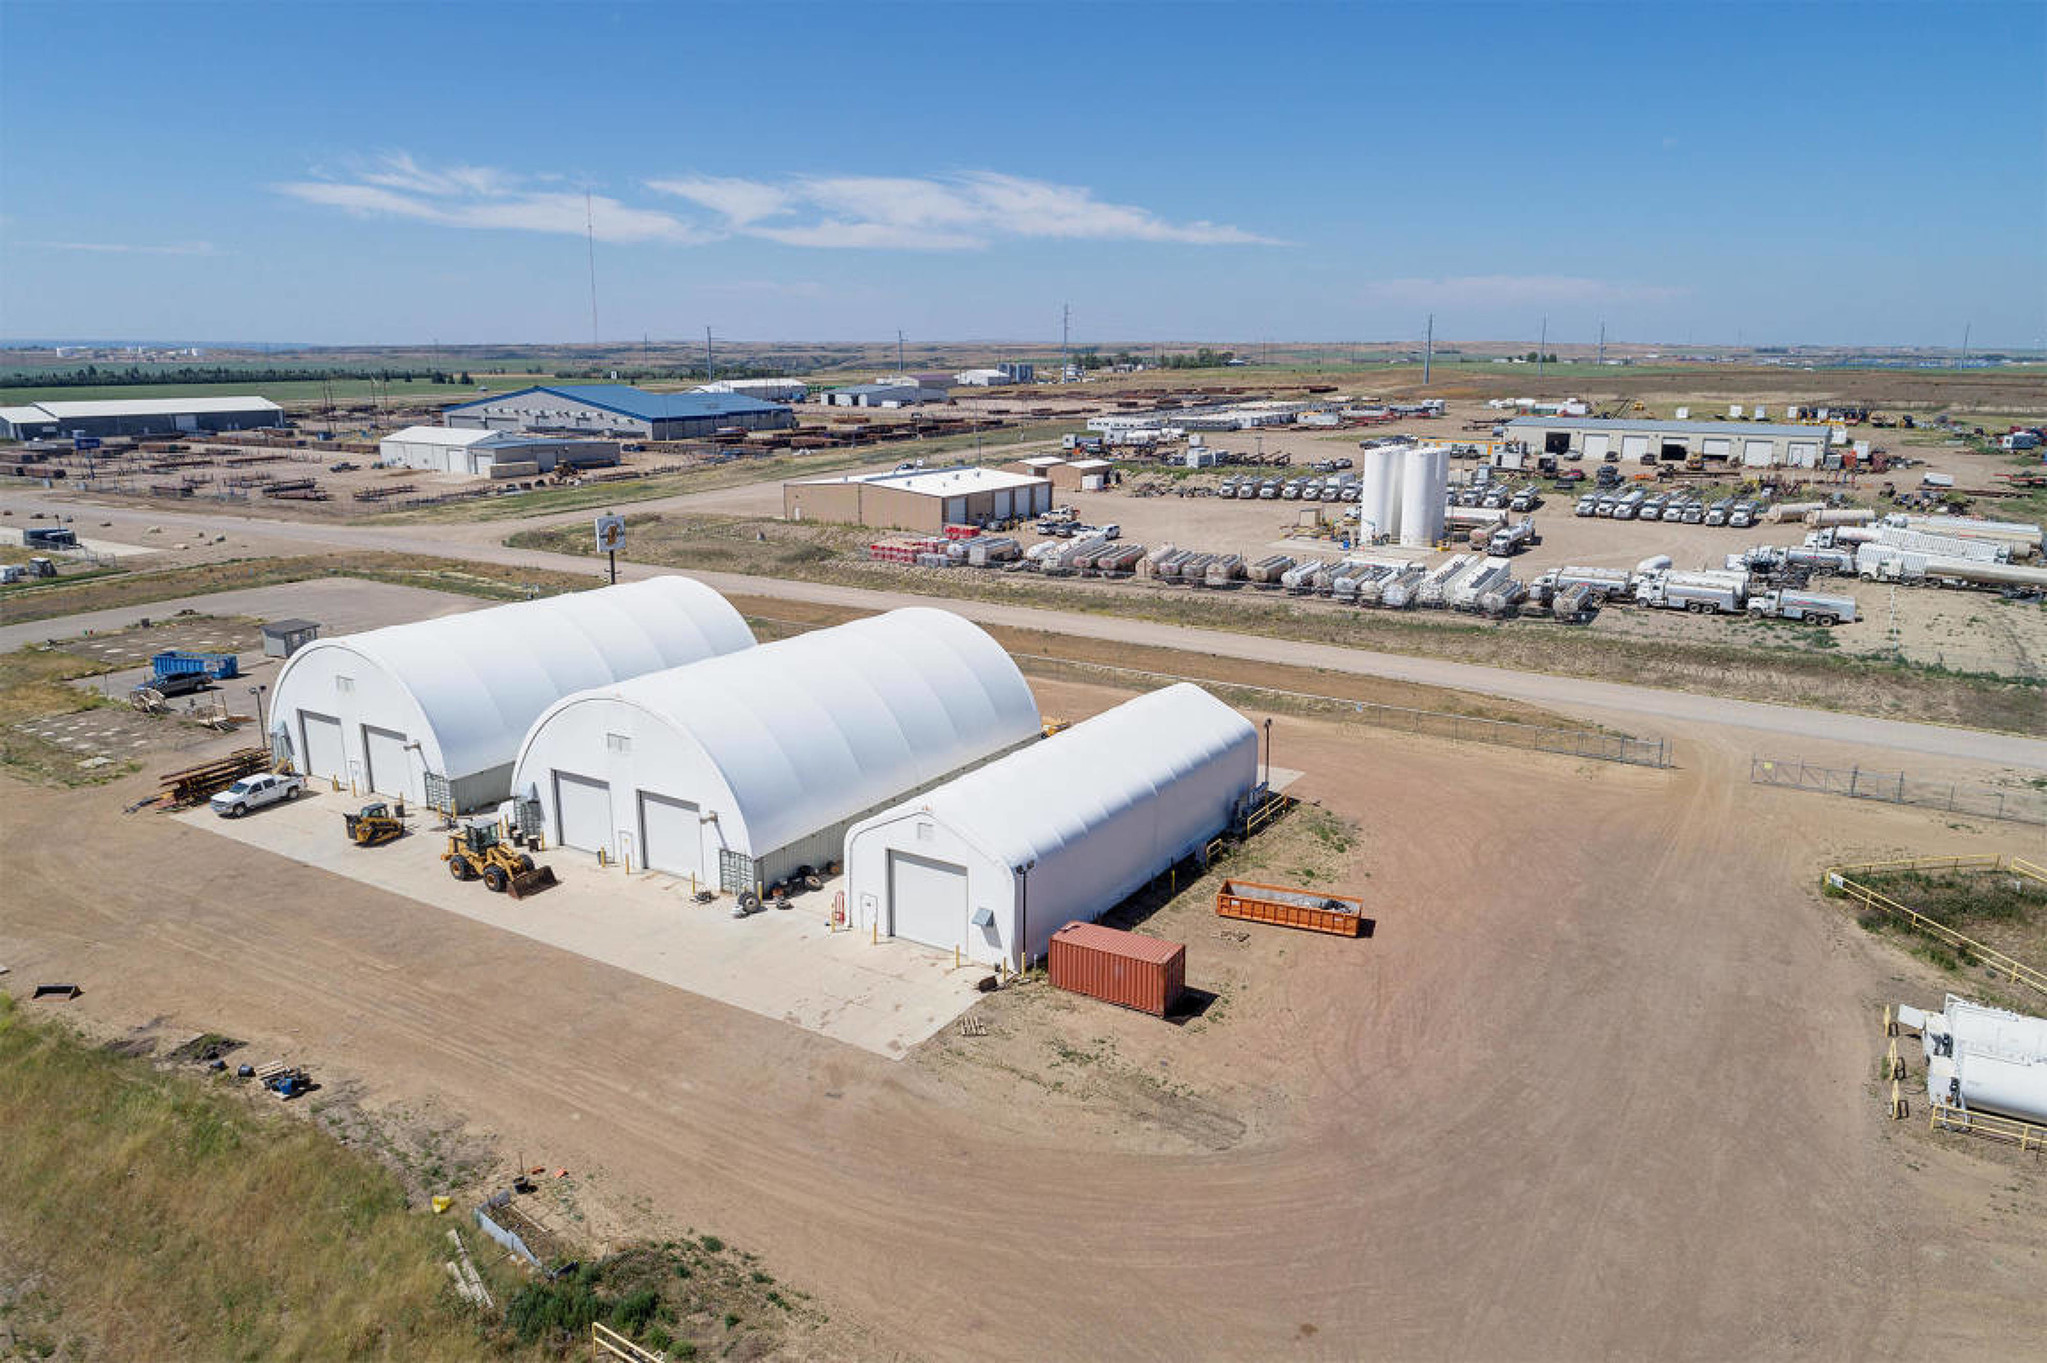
<point>1145,973</point>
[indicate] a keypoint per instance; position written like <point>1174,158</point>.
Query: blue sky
<point>1864,173</point>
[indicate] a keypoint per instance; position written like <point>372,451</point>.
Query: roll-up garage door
<point>671,839</point>
<point>1002,500</point>
<point>1717,447</point>
<point>927,900</point>
<point>321,751</point>
<point>1804,454</point>
<point>582,812</point>
<point>389,773</point>
<point>1634,446</point>
<point>1758,453</point>
<point>1596,446</point>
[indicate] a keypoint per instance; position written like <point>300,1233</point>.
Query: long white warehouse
<point>739,769</point>
<point>435,710</point>
<point>997,861</point>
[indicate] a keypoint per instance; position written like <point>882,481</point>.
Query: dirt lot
<point>1601,1083</point>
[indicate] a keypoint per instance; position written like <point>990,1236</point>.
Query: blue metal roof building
<point>618,409</point>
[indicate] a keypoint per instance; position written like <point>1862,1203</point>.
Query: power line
<point>590,240</point>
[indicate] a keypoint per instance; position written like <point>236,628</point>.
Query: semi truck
<point>1512,539</point>
<point>1780,604</point>
<point>1701,593</point>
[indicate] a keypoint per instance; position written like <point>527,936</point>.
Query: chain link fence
<point>1902,788</point>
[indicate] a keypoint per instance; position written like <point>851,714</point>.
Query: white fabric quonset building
<point>435,710</point>
<point>740,769</point>
<point>1094,813</point>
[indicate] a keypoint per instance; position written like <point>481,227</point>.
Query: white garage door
<point>671,838</point>
<point>321,751</point>
<point>1718,447</point>
<point>1002,500</point>
<point>1804,454</point>
<point>582,812</point>
<point>1634,446</point>
<point>1596,446</point>
<point>389,774</point>
<point>1758,453</point>
<point>927,900</point>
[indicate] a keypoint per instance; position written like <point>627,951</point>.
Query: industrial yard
<point>744,717</point>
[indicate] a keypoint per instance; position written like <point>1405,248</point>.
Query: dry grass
<point>491,581</point>
<point>172,1221</point>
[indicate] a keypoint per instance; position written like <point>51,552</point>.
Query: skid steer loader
<point>476,852</point>
<point>374,825</point>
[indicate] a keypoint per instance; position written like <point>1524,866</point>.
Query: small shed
<point>282,638</point>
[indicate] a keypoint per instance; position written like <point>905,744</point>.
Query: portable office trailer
<point>739,770</point>
<point>1061,831</point>
<point>434,711</point>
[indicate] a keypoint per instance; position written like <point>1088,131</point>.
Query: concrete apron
<point>783,964</point>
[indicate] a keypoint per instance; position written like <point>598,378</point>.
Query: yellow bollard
<point>600,856</point>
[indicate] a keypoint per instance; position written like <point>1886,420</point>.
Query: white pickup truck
<point>253,792</point>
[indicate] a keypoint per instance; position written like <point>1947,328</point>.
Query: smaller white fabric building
<point>998,860</point>
<point>480,453</point>
<point>434,711</point>
<point>740,769</point>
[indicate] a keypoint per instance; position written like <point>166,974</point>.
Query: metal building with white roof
<point>485,454</point>
<point>740,769</point>
<point>995,862</point>
<point>143,416</point>
<point>435,710</point>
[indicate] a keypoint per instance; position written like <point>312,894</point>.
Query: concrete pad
<point>784,964</point>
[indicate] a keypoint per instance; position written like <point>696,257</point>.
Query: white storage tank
<point>1424,489</point>
<point>1981,1082</point>
<point>1379,503</point>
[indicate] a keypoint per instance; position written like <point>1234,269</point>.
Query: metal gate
<point>438,793</point>
<point>737,872</point>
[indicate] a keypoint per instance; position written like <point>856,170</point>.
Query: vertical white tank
<point>1379,498</point>
<point>1424,484</point>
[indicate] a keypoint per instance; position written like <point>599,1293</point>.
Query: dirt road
<point>1630,706</point>
<point>1599,1086</point>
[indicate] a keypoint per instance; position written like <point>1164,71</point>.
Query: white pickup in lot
<point>254,792</point>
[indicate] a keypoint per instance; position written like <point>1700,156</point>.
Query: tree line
<point>93,376</point>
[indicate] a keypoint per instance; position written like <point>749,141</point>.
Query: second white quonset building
<point>995,862</point>
<point>434,711</point>
<point>741,769</point>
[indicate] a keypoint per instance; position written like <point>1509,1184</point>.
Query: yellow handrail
<point>1942,1116</point>
<point>2014,970</point>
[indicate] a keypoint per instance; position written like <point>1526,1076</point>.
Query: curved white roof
<point>1037,802</point>
<point>481,679</point>
<point>807,731</point>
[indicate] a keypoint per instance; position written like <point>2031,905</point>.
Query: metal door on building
<point>389,772</point>
<point>1634,446</point>
<point>1758,454</point>
<point>582,812</point>
<point>671,835</point>
<point>322,747</point>
<point>927,900</point>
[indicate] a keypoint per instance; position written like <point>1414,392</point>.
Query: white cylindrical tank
<point>1424,487</point>
<point>1992,1083</point>
<point>1657,564</point>
<point>1379,502</point>
<point>1844,516</point>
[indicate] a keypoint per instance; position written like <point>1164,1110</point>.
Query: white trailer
<point>1604,584</point>
<point>1492,574</point>
<point>1511,539</point>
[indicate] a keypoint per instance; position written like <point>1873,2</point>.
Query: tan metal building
<point>922,500</point>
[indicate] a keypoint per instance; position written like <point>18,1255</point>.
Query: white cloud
<point>396,186</point>
<point>954,213</point>
<point>1477,290</point>
<point>187,248</point>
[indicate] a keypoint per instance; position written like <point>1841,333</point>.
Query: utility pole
<point>1065,340</point>
<point>1429,350</point>
<point>590,240</point>
<point>1602,343</point>
<point>1540,346</point>
<point>710,366</point>
<point>900,366</point>
<point>1965,344</point>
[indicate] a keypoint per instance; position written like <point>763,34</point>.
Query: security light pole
<point>257,692</point>
<point>1023,875</point>
<point>1268,755</point>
